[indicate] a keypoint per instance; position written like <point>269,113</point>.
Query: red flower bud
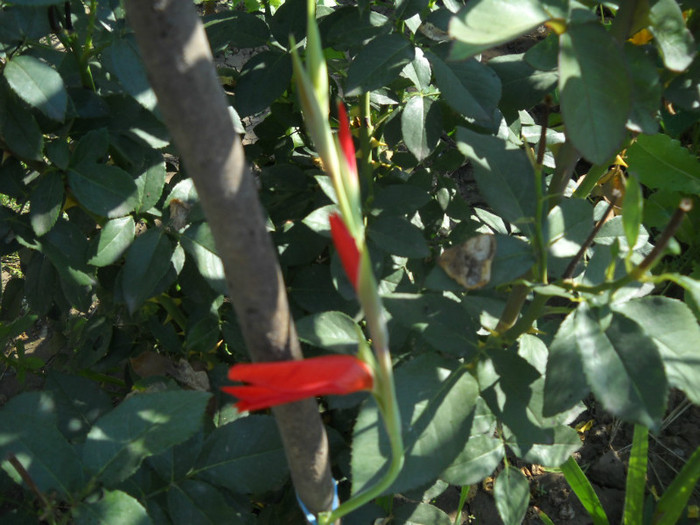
<point>278,382</point>
<point>347,248</point>
<point>345,138</point>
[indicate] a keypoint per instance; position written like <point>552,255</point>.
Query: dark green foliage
<point>113,253</point>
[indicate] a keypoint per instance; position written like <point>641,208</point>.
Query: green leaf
<point>561,442</point>
<point>58,152</point>
<point>504,175</point>
<point>79,402</point>
<point>114,507</point>
<point>421,126</point>
<point>176,462</point>
<point>202,331</point>
<point>113,240</point>
<point>511,491</point>
<point>481,25</point>
<point>513,388</point>
<point>289,20</point>
<point>198,242</point>
<point>312,289</point>
<point>348,27</point>
<point>636,477</point>
<point>613,232</point>
<point>674,40</point>
<point>245,456</point>
<point>122,59</point>
<point>130,120</point>
<point>65,246</point>
<point>147,262</point>
<point>318,220</point>
<point>565,385</point>
<point>583,489</point>
<point>522,86</point>
<point>41,282</point>
<point>674,330</point>
<point>478,460</point>
<point>646,89</point>
<point>398,199</point>
<point>105,190</point>
<point>16,327</point>
<point>141,426</point>
<point>333,331</point>
<point>594,90</point>
<point>92,148</point>
<point>263,79</point>
<point>670,507</point>
<point>568,226</point>
<point>38,84</point>
<point>29,433</point>
<point>513,258</point>
<point>409,513</point>
<point>405,9</point>
<point>632,209</point>
<point>436,399</point>
<point>662,162</point>
<point>418,70</point>
<point>622,366</point>
<point>397,236</point>
<point>378,63</point>
<point>46,202</point>
<point>35,3</point>
<point>19,128</point>
<point>442,322</point>
<point>194,501</point>
<point>237,29</point>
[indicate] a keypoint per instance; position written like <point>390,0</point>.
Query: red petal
<point>347,248</point>
<point>345,138</point>
<point>275,383</point>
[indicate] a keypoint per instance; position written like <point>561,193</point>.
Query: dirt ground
<point>603,457</point>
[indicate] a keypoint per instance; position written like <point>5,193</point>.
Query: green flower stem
<point>384,391</point>
<point>514,305</point>
<point>84,57</point>
<point>365,147</point>
<point>534,312</point>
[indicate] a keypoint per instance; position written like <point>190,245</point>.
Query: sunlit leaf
<point>511,491</point>
<point>378,63</point>
<point>38,84</point>
<point>594,89</point>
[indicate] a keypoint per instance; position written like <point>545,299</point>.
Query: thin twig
<point>569,272</point>
<point>29,482</point>
<point>684,207</point>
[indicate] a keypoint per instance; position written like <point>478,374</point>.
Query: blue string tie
<point>310,517</point>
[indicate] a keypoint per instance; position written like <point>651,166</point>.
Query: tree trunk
<point>179,63</point>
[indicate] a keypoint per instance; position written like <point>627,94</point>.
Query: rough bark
<point>178,60</point>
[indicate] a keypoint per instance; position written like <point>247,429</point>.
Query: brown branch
<point>179,64</point>
<point>30,483</point>
<point>685,206</point>
<point>569,272</point>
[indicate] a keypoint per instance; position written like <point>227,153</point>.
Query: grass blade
<point>674,500</point>
<point>636,476</point>
<point>583,489</point>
